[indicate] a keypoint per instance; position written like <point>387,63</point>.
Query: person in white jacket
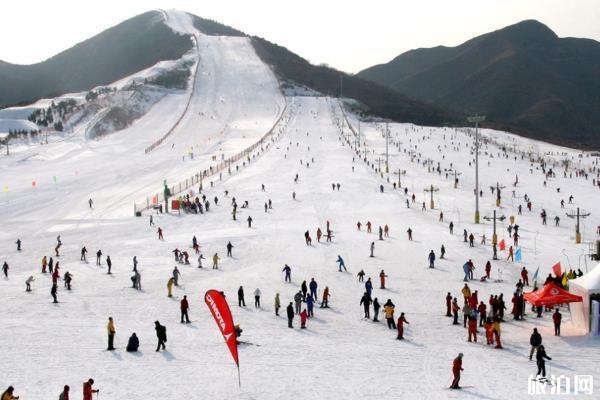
<point>257,298</point>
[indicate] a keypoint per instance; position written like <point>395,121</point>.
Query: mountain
<point>523,77</point>
<point>126,48</point>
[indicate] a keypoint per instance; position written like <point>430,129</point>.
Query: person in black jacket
<point>541,362</point>
<point>290,314</point>
<point>365,301</point>
<point>133,344</point>
<point>376,307</point>
<point>161,334</point>
<point>241,301</point>
<point>535,341</point>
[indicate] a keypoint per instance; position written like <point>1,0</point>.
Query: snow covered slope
<point>234,101</point>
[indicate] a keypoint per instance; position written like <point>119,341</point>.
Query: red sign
<point>222,314</point>
<point>174,204</point>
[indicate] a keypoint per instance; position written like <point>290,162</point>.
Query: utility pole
<point>379,160</point>
<point>400,173</point>
<point>499,194</point>
<point>431,189</point>
<point>495,218</point>
<point>577,215</point>
<point>476,119</point>
<point>387,154</point>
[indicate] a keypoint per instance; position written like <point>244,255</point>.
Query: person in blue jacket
<point>466,270</point>
<point>341,263</point>
<point>309,305</point>
<point>288,273</point>
<point>313,288</point>
<point>431,258</point>
<point>369,286</point>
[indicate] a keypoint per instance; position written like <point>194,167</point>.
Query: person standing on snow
<point>249,222</point>
<point>277,304</point>
<point>28,283</point>
<point>304,289</point>
<point>160,233</point>
<point>456,369</point>
<point>298,301</point>
<point>303,319</point>
<point>88,389</point>
<point>313,288</point>
<point>310,302</point>
<point>184,307</point>
<point>288,273</point>
<point>372,249</point>
<point>91,203</point>
<point>161,335</point>
<point>98,255</point>
<point>431,259</point>
<point>401,321</point>
<point>83,254</point>
<point>176,274</point>
<point>170,284</point>
<point>216,261</point>
<point>257,298</point>
<point>382,277</point>
<point>110,329</point>
<point>376,307</point>
<point>64,395</point>
<point>388,310</point>
<point>365,301</point>
<point>557,318</point>
<point>241,301</point>
<point>290,314</point>
<point>540,358</point>
<point>361,275</point>
<point>325,298</point>
<point>535,341</point>
<point>448,305</point>
<point>229,248</point>
<point>53,291</point>
<point>5,269</point>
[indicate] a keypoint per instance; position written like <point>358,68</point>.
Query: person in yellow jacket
<point>110,329</point>
<point>170,284</point>
<point>9,394</point>
<point>466,292</point>
<point>216,261</point>
<point>388,311</point>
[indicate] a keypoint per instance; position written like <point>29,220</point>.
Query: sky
<point>348,35</point>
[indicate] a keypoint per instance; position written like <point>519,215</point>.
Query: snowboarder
<point>442,252</point>
<point>110,330</point>
<point>133,343</point>
<point>456,369</point>
<point>184,306</point>
<point>161,335</point>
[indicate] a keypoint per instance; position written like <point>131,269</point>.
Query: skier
<point>304,289</point>
<point>98,255</point>
<point>288,273</point>
<point>456,368</point>
<point>18,243</point>
<point>184,307</point>
<point>313,288</point>
<point>176,274</point>
<point>229,248</point>
<point>28,283</point>
<point>525,276</point>
<point>372,249</point>
<point>535,341</point>
<point>541,358</point>
<point>68,278</point>
<point>376,307</point>
<point>325,298</point>
<point>170,284</point>
<point>88,389</point>
<point>365,301</point>
<point>241,301</point>
<point>448,305</point>
<point>431,259</point>
<point>361,275</point>
<point>369,286</point>
<point>298,301</point>
<point>303,319</point>
<point>341,263</point>
<point>110,329</point>
<point>91,203</point>
<point>409,231</point>
<point>472,328</point>
<point>277,304</point>
<point>83,253</point>
<point>161,335</point>
<point>216,261</point>
<point>5,269</point>
<point>442,252</point>
<point>455,310</point>
<point>249,222</point>
<point>257,298</point>
<point>133,343</point>
<point>388,310</point>
<point>401,321</point>
<point>160,233</point>
<point>557,318</point>
<point>290,314</point>
<point>382,277</point>
<point>109,264</point>
<point>53,291</point>
<point>310,302</point>
<point>64,395</point>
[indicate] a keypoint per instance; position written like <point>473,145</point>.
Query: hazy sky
<point>349,35</point>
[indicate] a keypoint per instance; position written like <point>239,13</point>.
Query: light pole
<point>400,173</point>
<point>431,189</point>
<point>476,119</point>
<point>578,214</point>
<point>387,155</point>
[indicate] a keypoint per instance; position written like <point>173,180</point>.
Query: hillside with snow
<point>233,135</point>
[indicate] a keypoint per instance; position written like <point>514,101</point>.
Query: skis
<point>248,343</point>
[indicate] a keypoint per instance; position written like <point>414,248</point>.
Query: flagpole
<point>239,376</point>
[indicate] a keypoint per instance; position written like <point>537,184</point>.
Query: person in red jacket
<point>303,318</point>
<point>401,321</point>
<point>382,277</point>
<point>185,306</point>
<point>472,328</point>
<point>482,310</point>
<point>448,305</point>
<point>64,395</point>
<point>557,318</point>
<point>456,368</point>
<point>525,276</point>
<point>88,390</point>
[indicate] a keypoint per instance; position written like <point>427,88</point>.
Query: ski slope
<point>235,101</point>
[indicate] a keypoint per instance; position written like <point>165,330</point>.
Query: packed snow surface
<point>235,100</point>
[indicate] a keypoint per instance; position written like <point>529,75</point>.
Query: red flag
<point>502,245</point>
<point>222,314</point>
<point>557,269</point>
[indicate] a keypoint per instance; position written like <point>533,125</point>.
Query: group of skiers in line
<point>319,233</point>
<point>88,391</point>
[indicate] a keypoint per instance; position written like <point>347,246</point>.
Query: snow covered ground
<point>236,100</point>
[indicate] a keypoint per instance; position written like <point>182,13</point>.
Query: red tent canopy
<point>550,295</point>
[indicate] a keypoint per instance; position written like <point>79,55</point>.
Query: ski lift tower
<point>476,119</point>
<point>498,193</point>
<point>495,218</point>
<point>577,215</point>
<point>400,173</point>
<point>431,189</point>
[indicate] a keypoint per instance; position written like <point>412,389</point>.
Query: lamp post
<point>494,218</point>
<point>577,215</point>
<point>431,189</point>
<point>476,119</point>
